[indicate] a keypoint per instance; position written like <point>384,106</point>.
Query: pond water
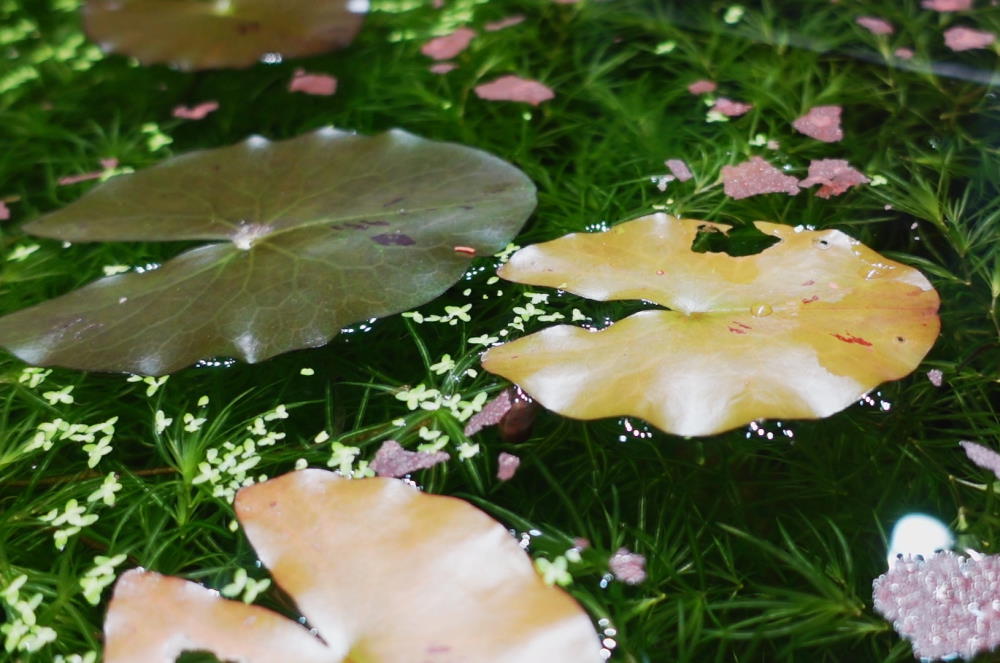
<point>759,540</point>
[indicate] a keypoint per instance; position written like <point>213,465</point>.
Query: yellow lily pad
<point>798,331</point>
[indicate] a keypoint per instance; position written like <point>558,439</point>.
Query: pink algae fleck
<point>198,112</point>
<point>392,460</point>
<point>875,25</point>
<point>702,86</point>
<point>730,108</point>
<point>679,169</point>
<point>442,67</point>
<point>947,5</point>
<point>515,88</point>
<point>755,177</point>
<point>504,23</point>
<point>904,53</point>
<point>821,123</point>
<point>835,175</point>
<point>966,39</point>
<point>507,465</point>
<point>628,567</point>
<point>318,84</point>
<point>448,46</point>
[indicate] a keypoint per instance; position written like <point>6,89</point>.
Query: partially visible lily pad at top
<point>308,235</point>
<point>208,34</point>
<point>798,331</point>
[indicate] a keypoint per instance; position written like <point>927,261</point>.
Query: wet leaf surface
<point>310,235</point>
<point>799,330</point>
<point>193,34</point>
<point>383,572</point>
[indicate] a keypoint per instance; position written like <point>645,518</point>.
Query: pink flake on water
<point>966,39</point>
<point>447,47</point>
<point>491,414</point>
<point>730,108</point>
<point>392,460</point>
<point>934,375</point>
<point>702,86</point>
<point>947,5</point>
<point>507,465</point>
<point>821,123</point>
<point>437,4</point>
<point>565,2</point>
<point>679,169</point>
<point>106,164</point>
<point>947,605</point>
<point>4,211</point>
<point>198,112</point>
<point>904,53</point>
<point>628,567</point>
<point>442,67</point>
<point>754,177</point>
<point>875,25</point>
<point>982,456</point>
<point>504,23</point>
<point>514,88</point>
<point>319,84</point>
<point>835,175</point>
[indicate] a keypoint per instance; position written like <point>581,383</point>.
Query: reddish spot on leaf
<point>393,239</point>
<point>821,123</point>
<point>755,177</point>
<point>504,23</point>
<point>835,175</point>
<point>810,300</point>
<point>198,112</point>
<point>318,84</point>
<point>392,460</point>
<point>679,169</point>
<point>850,338</point>
<point>442,67</point>
<point>875,25</point>
<point>507,465</point>
<point>731,108</point>
<point>515,88</point>
<point>702,86</point>
<point>947,5</point>
<point>736,330</point>
<point>447,47</point>
<point>628,567</point>
<point>966,39</point>
<point>467,250</point>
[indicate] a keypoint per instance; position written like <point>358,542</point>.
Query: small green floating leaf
<point>308,235</point>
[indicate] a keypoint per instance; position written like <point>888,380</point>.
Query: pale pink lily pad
<point>702,86</point>
<point>875,25</point>
<point>835,175</point>
<point>946,606</point>
<point>755,177</point>
<point>106,164</point>
<point>504,23</point>
<point>966,39</point>
<point>821,123</point>
<point>319,84</point>
<point>447,47</point>
<point>515,88</point>
<point>442,67</point>
<point>507,465</point>
<point>197,112</point>
<point>679,169</point>
<point>730,108</point>
<point>392,460</point>
<point>628,567</point>
<point>947,5</point>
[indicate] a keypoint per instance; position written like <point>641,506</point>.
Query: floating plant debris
<point>447,47</point>
<point>966,39</point>
<point>875,25</point>
<point>730,108</point>
<point>197,112</point>
<point>743,340</point>
<point>821,123</point>
<point>515,88</point>
<point>754,177</point>
<point>318,84</point>
<point>835,175</point>
<point>392,460</point>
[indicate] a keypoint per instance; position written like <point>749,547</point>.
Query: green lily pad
<point>207,34</point>
<point>309,235</point>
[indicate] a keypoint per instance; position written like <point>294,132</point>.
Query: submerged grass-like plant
<point>760,544</point>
